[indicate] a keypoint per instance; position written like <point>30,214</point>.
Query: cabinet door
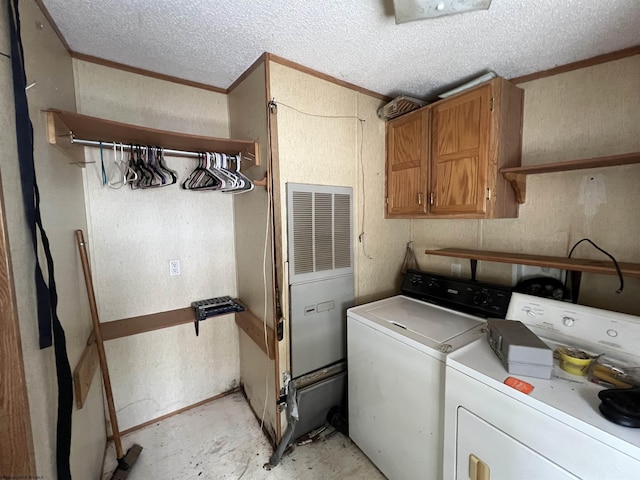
<point>460,153</point>
<point>407,151</point>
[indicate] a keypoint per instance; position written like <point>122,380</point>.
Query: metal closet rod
<point>126,146</point>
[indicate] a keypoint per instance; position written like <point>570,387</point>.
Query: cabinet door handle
<point>420,199</point>
<point>431,198</point>
<point>478,470</point>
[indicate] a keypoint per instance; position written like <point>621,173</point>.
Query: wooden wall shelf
<point>148,323</point>
<point>572,264</point>
<point>61,124</point>
<point>517,176</point>
<point>575,266</point>
<point>88,363</point>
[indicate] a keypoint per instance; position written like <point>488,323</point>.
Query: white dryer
<point>493,431</point>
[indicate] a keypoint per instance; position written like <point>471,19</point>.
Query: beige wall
<point>248,120</point>
<point>580,114</point>
<point>340,151</point>
<point>132,236</point>
<point>315,147</point>
<point>48,64</point>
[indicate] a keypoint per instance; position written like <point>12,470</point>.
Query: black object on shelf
<point>212,307</point>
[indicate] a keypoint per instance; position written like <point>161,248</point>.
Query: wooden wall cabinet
<point>443,160</point>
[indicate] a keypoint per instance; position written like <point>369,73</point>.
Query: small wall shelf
<point>517,176</point>
<point>63,126</point>
<point>563,263</point>
<point>575,265</point>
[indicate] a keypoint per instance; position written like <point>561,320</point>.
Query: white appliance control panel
<point>597,331</point>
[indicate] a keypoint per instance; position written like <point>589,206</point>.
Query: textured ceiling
<point>214,41</point>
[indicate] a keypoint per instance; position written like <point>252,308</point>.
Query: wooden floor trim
<point>182,410</point>
<point>588,62</point>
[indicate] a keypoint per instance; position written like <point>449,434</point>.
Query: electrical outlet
<point>174,267</point>
<point>456,269</point>
<point>524,272</point>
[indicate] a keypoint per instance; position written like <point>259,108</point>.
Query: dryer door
<point>485,452</point>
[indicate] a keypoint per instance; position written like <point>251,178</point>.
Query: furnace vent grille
<point>319,231</point>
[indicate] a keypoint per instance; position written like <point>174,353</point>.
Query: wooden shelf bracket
<point>517,176</point>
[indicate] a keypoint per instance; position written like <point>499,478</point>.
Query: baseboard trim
<point>182,410</point>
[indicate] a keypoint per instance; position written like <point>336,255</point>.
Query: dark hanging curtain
<point>49,327</point>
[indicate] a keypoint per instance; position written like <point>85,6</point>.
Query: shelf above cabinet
<point>517,176</point>
<point>63,127</point>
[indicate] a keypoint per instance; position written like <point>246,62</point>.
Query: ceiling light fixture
<point>410,10</point>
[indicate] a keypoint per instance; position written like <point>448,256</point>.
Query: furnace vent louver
<point>319,231</point>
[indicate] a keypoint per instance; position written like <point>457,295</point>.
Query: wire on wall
<point>615,263</point>
<point>5,55</point>
<point>361,236</point>
<point>264,281</point>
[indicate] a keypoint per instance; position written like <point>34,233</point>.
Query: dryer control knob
<point>568,321</point>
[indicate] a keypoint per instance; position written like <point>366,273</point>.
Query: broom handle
<point>99,343</point>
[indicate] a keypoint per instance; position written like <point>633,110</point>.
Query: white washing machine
<point>493,431</point>
<point>396,350</point>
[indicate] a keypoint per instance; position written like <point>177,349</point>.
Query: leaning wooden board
<point>84,372</point>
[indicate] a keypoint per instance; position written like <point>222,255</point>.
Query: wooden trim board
<point>16,437</point>
<point>157,321</point>
<point>182,410</point>
<point>53,24</point>
<point>259,61</point>
<point>324,76</point>
<point>146,323</point>
<point>254,327</point>
<point>273,180</point>
<point>588,62</point>
<point>84,372</point>
<point>146,73</point>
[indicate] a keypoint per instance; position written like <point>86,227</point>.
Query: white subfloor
<point>222,440</point>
